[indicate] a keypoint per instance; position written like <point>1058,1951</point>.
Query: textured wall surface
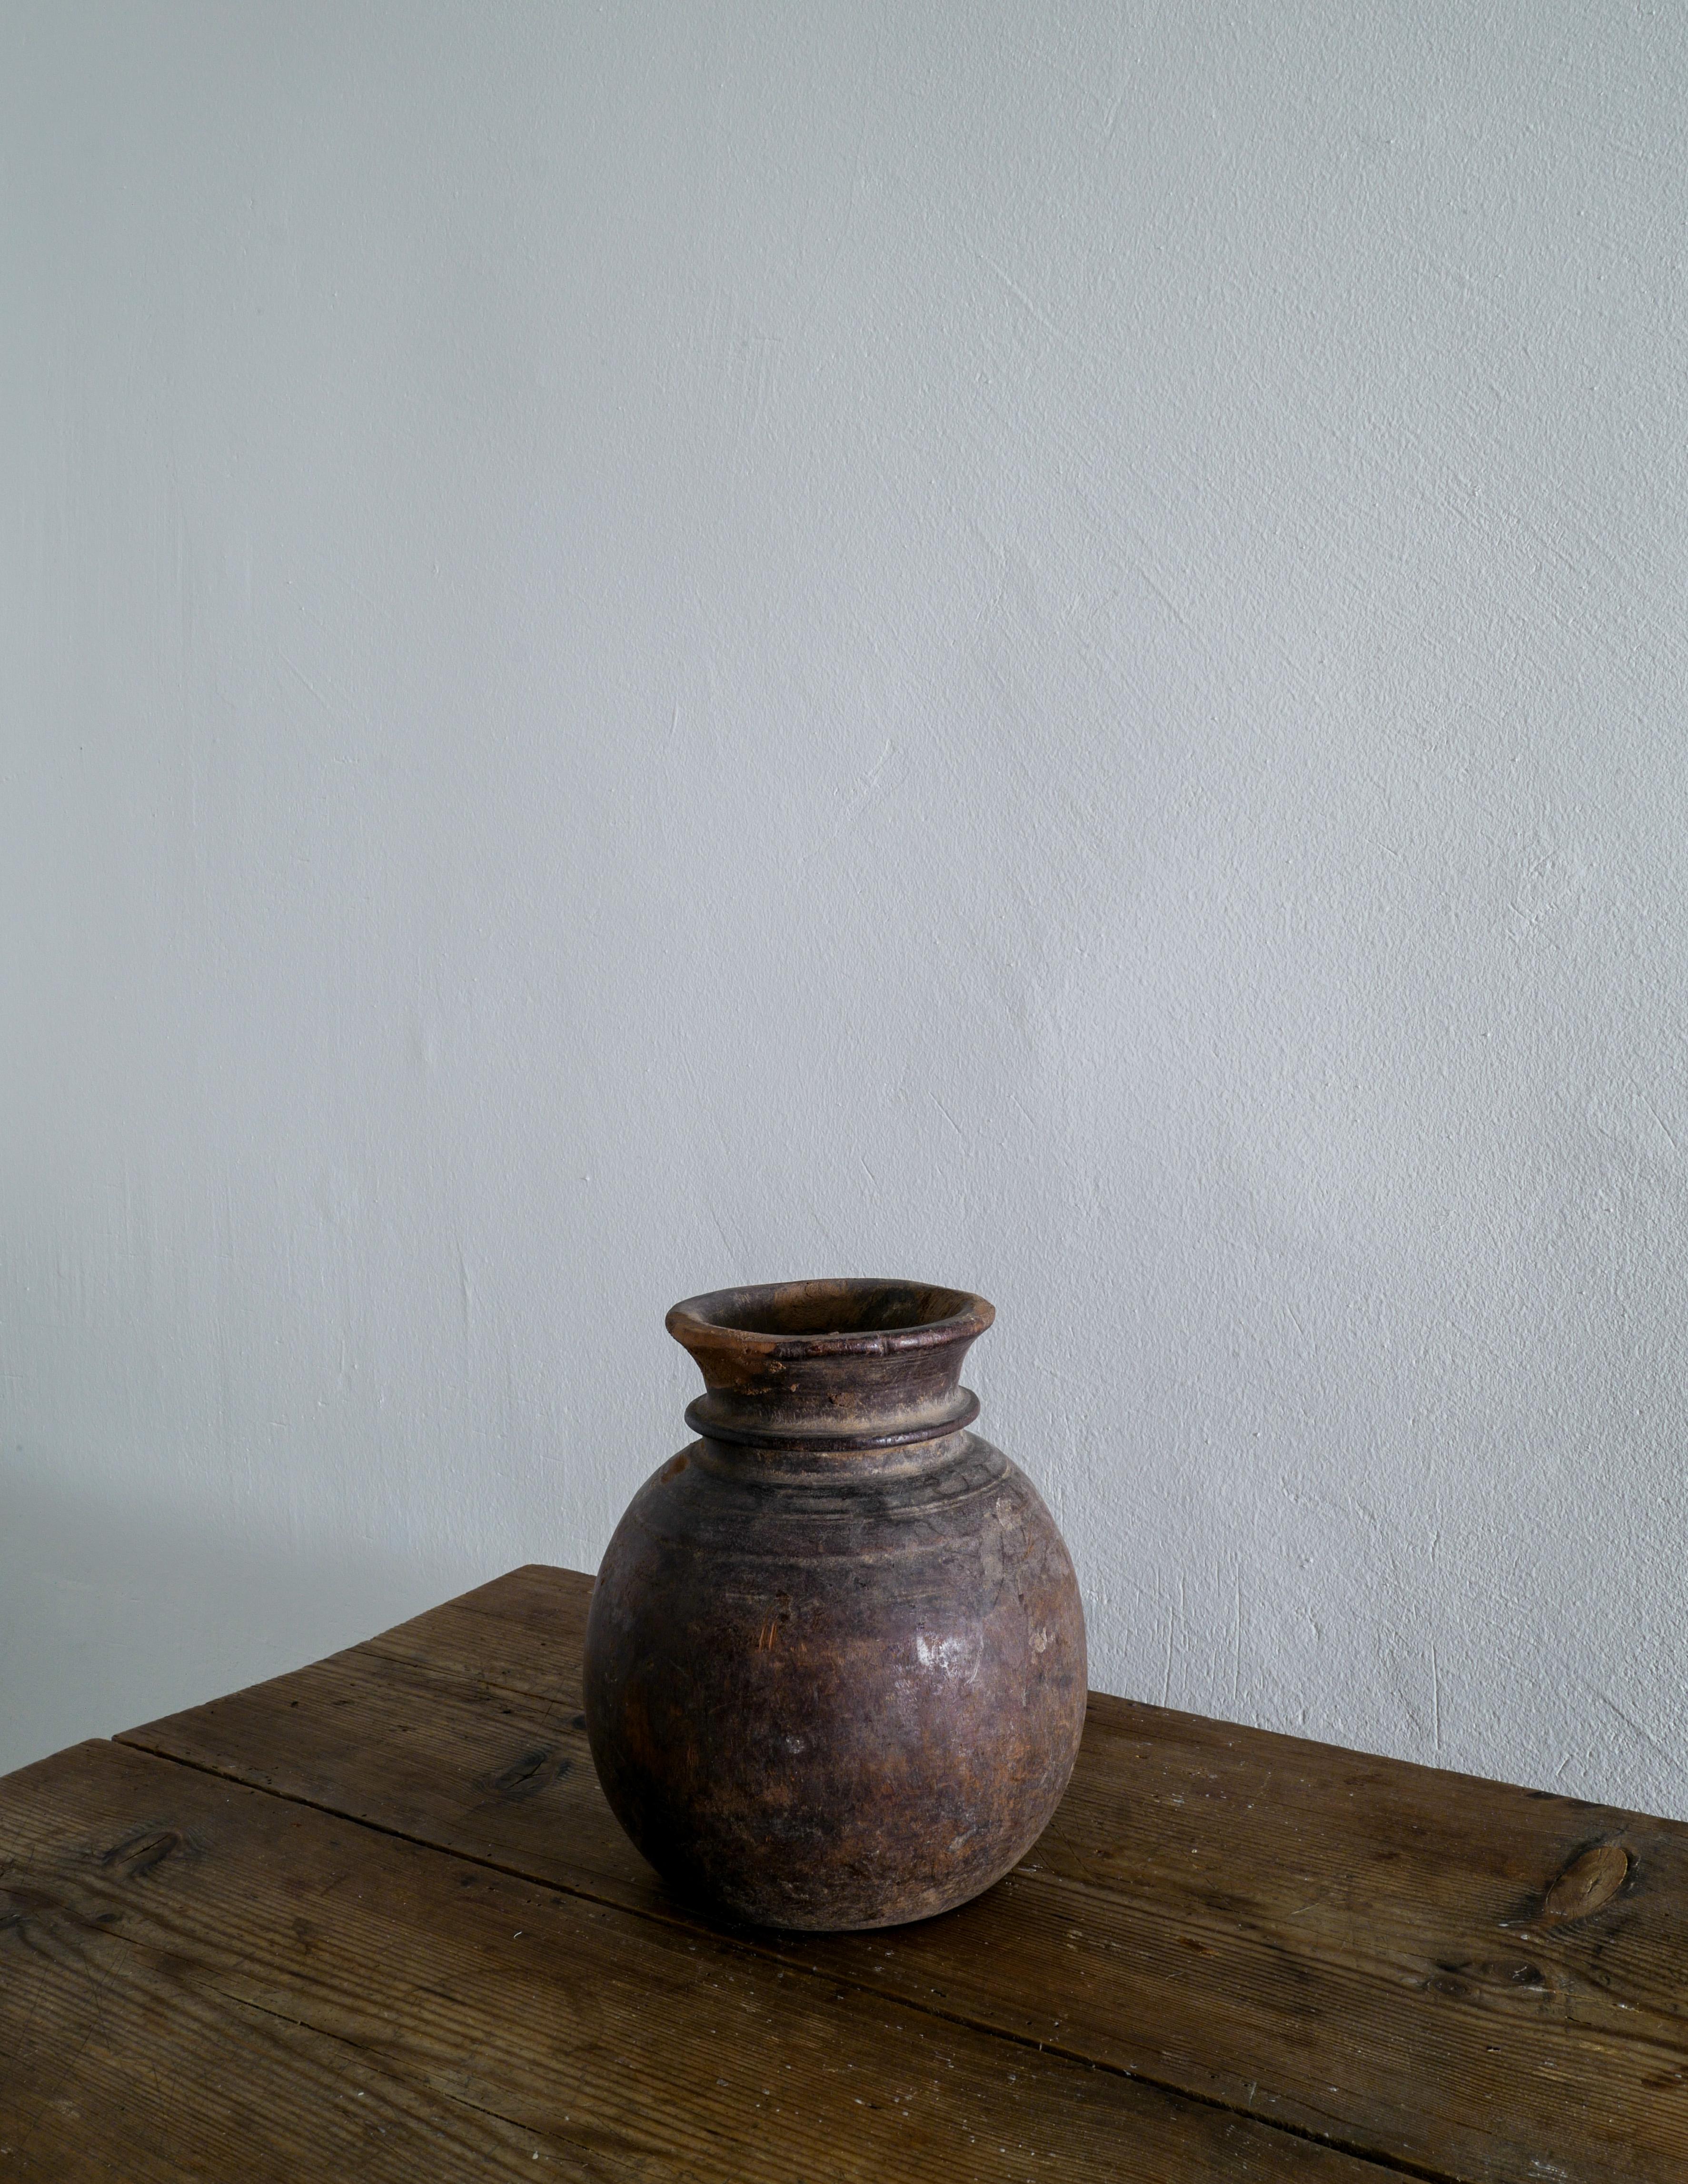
<point>1040,646</point>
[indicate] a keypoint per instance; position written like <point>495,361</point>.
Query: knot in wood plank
<point>1588,1883</point>
<point>141,1851</point>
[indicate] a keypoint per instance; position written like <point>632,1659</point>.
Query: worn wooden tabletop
<point>374,1920</point>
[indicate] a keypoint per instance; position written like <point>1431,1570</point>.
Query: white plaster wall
<point>1042,646</point>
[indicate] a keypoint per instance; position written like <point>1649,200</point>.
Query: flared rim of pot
<point>860,1317</point>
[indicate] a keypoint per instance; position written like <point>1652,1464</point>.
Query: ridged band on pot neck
<point>838,1365</point>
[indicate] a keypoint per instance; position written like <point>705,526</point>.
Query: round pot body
<point>835,1671</point>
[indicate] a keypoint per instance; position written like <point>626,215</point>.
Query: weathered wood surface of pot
<point>376,1919</point>
<point>835,1662</point>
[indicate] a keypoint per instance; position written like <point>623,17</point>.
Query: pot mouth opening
<point>832,1317</point>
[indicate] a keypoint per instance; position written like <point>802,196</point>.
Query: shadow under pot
<point>835,1669</point>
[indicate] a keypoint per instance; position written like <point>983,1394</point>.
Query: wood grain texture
<point>1457,1977</point>
<point>199,1979</point>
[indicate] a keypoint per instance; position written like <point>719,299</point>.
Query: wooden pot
<point>835,1665</point>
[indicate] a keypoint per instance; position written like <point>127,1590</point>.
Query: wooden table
<point>375,1920</point>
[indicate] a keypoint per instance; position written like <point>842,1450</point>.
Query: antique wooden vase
<point>835,1656</point>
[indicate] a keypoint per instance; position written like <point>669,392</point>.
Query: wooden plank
<point>196,1978</point>
<point>1368,1952</point>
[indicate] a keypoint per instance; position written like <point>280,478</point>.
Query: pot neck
<point>831,1365</point>
<point>829,1468</point>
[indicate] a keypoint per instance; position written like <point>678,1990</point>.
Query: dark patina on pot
<point>835,1657</point>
